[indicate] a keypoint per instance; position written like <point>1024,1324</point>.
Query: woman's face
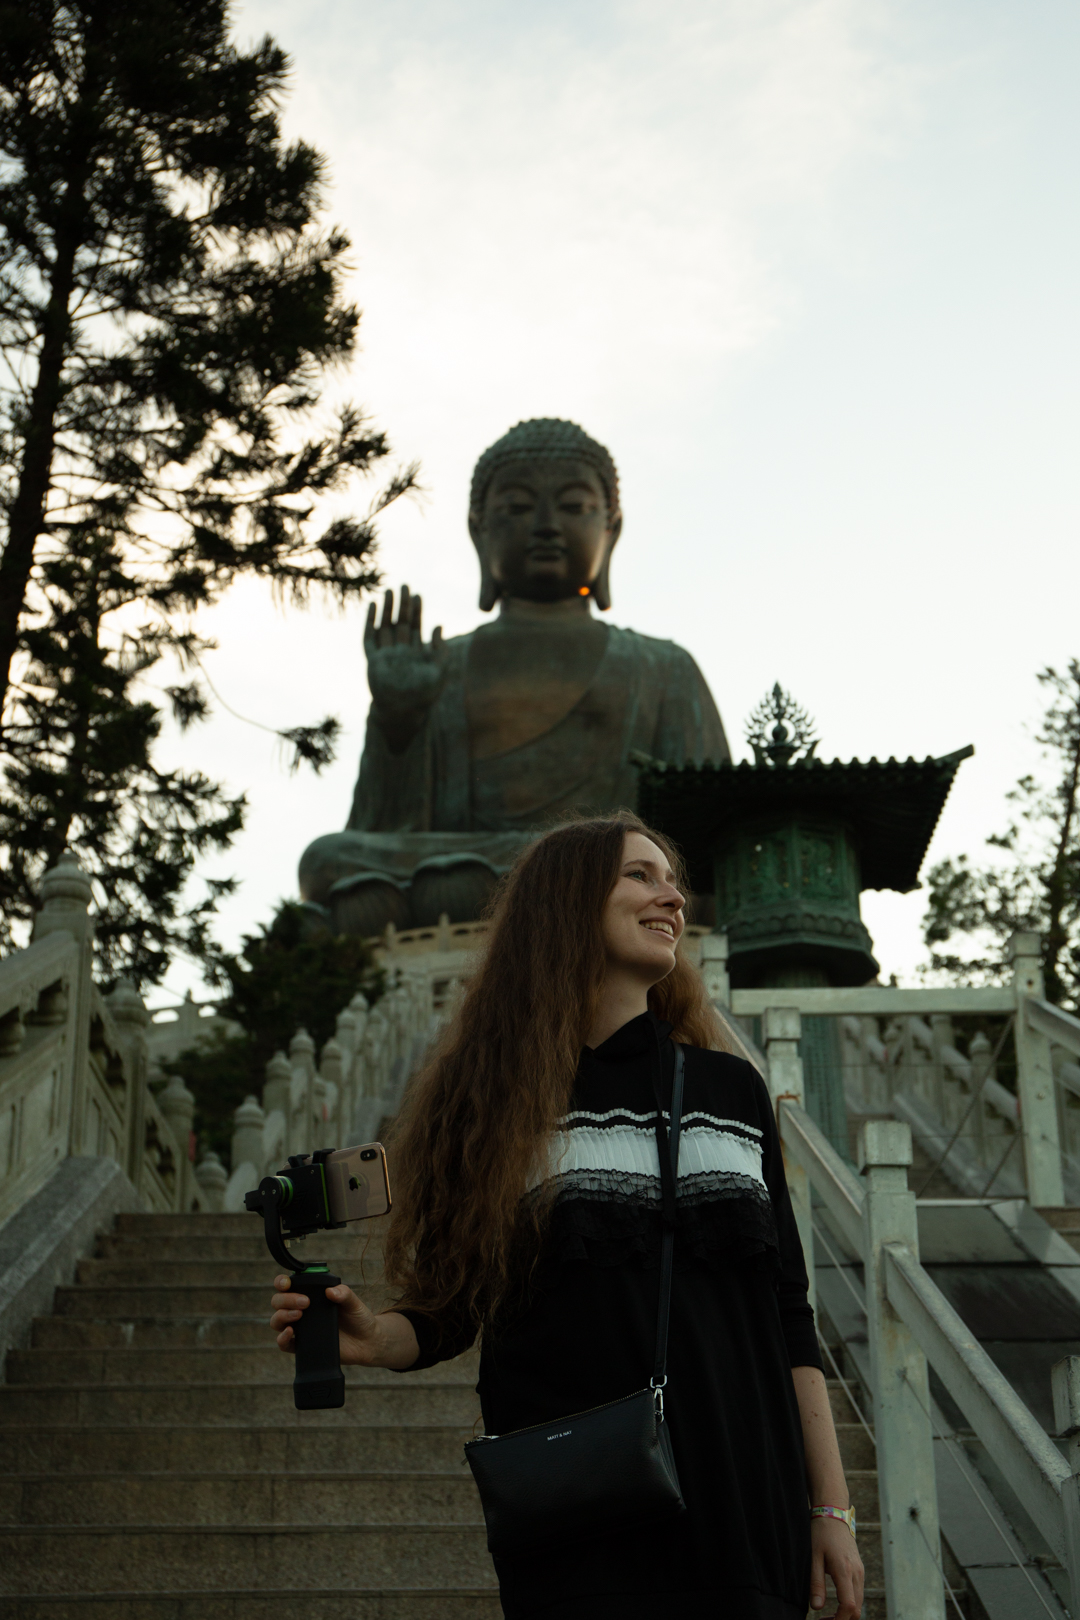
<point>643,915</point>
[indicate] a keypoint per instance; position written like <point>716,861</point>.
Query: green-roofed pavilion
<point>787,844</point>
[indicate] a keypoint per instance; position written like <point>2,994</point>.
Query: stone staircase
<point>156,1469</point>
<point>156,1466</point>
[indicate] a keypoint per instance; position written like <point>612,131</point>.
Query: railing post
<point>782,1027</point>
<point>277,1091</point>
<point>247,1136</point>
<point>302,1051</point>
<point>907,1489</point>
<point>131,1018</point>
<point>66,892</point>
<point>213,1178</point>
<point>1035,1082</point>
<point>332,1073</point>
<point>714,968</point>
<point>1066,1387</point>
<point>177,1104</point>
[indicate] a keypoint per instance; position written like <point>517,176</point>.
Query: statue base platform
<point>359,882</point>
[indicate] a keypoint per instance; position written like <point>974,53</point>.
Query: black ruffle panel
<point>612,1218</point>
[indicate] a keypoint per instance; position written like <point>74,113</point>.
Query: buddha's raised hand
<point>405,674</point>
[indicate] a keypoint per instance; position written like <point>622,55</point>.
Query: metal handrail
<point>841,1190</point>
<point>1053,1022</point>
<point>875,1001</point>
<point>863,1213</point>
<point>1011,1435</point>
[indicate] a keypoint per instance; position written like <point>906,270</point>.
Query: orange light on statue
<point>584,590</point>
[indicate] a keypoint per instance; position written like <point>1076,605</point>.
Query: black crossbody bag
<point>600,1470</point>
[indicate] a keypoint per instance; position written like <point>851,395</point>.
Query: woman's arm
<point>833,1545</point>
<point>364,1338</point>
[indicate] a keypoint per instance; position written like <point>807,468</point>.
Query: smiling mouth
<point>655,926</point>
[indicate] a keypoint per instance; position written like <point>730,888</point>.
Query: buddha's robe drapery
<point>435,799</point>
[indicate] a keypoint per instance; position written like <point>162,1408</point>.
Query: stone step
<point>1065,1217</point>
<point>195,1332</point>
<point>164,1559</point>
<point>264,1365</point>
<point>187,1273</point>
<point>342,1248</point>
<point>163,1299</point>
<point>236,1224</point>
<point>160,1558</point>
<point>259,1498</point>
<point>406,1400</point>
<point>842,1409</point>
<point>231,1405</point>
<point>856,1447</point>
<point>196,1225</point>
<point>193,1448</point>
<point>237,1499</point>
<point>306,1604</point>
<point>862,1484</point>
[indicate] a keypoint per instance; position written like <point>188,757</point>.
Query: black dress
<point>740,1321</point>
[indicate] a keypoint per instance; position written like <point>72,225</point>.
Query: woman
<point>526,1211</point>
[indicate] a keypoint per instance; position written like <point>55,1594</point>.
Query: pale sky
<point>808,269</point>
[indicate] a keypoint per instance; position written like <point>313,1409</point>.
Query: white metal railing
<point>910,1326</point>
<point>73,1065</point>
<point>900,1055</point>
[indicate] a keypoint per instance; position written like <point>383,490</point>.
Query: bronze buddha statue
<point>475,743</point>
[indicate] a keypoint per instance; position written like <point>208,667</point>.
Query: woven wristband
<point>847,1515</point>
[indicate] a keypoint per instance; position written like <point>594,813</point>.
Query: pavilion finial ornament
<point>778,730</point>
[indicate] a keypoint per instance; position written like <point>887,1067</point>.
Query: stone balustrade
<point>901,1055</point>
<point>74,1066</point>
<point>343,1096</point>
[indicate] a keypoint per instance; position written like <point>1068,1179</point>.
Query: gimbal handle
<point>318,1381</point>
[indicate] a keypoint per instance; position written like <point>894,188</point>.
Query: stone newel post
<point>902,1423</point>
<point>1035,1081</point>
<point>782,1031</point>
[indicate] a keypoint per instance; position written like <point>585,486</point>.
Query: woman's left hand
<point>834,1552</point>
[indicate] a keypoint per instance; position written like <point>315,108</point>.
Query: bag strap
<point>667,1145</point>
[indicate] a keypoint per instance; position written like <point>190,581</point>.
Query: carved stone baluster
<point>247,1136</point>
<point>302,1053</point>
<point>178,1106</point>
<point>213,1178</point>
<point>278,1086</point>
<point>66,893</point>
<point>131,1018</point>
<point>331,1072</point>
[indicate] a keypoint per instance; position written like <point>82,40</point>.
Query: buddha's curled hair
<point>477,1122</point>
<point>545,438</point>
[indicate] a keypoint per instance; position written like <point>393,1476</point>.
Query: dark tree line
<point>283,978</point>
<point>1034,883</point>
<point>170,305</point>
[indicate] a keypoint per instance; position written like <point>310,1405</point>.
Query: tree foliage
<point>1035,882</point>
<point>170,306</point>
<point>283,979</point>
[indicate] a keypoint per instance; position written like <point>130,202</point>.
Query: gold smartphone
<point>357,1185</point>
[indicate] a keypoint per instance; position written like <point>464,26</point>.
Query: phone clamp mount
<point>292,1204</point>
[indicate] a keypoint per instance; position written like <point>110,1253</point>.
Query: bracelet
<point>846,1514</point>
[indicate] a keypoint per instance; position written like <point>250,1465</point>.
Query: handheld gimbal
<point>319,1192</point>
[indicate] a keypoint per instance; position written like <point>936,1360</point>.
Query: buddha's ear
<point>489,590</point>
<point>601,589</point>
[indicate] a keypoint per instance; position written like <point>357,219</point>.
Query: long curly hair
<point>476,1123</point>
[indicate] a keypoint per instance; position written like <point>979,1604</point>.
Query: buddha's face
<point>545,529</point>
